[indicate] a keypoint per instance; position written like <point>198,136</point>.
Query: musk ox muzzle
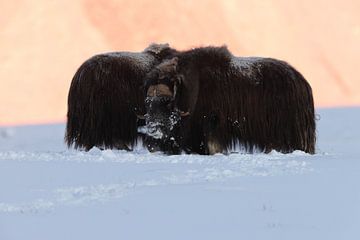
<point>160,118</point>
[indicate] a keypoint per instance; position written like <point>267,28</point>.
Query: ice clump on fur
<point>152,129</point>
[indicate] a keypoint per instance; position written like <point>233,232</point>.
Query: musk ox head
<point>162,86</point>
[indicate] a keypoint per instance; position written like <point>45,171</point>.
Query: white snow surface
<point>50,192</point>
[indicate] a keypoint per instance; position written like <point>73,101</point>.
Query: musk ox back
<point>105,96</point>
<point>215,101</point>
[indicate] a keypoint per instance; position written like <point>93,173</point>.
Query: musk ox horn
<point>184,114</point>
<point>140,116</point>
<point>179,79</point>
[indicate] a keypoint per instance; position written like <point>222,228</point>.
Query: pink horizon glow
<point>42,46</point>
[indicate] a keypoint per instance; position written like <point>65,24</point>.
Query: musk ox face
<point>162,114</point>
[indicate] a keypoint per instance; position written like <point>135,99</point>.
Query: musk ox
<point>105,95</point>
<point>207,101</point>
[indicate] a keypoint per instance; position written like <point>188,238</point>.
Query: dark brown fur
<point>105,95</point>
<point>260,103</point>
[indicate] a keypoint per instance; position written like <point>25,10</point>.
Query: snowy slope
<point>49,192</point>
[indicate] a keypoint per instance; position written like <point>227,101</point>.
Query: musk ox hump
<point>157,48</point>
<point>167,67</point>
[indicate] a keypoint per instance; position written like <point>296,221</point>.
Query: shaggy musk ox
<point>105,96</point>
<point>208,101</point>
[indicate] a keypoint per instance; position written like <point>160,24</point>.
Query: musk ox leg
<point>212,132</point>
<point>122,146</point>
<point>214,146</point>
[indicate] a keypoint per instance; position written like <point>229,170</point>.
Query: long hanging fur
<point>260,103</point>
<point>105,96</point>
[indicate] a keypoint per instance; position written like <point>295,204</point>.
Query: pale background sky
<point>43,42</point>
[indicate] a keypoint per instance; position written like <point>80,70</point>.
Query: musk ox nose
<point>160,117</point>
<point>157,126</point>
<point>155,130</point>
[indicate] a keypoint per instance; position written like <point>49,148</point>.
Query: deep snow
<point>49,192</point>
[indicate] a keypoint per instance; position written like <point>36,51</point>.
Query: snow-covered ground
<point>48,192</point>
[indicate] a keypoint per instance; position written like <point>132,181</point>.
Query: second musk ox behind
<point>208,101</point>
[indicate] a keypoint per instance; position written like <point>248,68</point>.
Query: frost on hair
<point>157,48</point>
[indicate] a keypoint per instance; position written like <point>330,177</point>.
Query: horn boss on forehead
<point>159,90</point>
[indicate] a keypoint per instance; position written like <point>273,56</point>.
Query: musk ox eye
<point>164,99</point>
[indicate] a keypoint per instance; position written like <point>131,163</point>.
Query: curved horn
<point>177,81</point>
<point>184,114</point>
<point>140,116</point>
<point>175,90</point>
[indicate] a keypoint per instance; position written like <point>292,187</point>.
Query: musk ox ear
<point>167,67</point>
<point>157,48</point>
